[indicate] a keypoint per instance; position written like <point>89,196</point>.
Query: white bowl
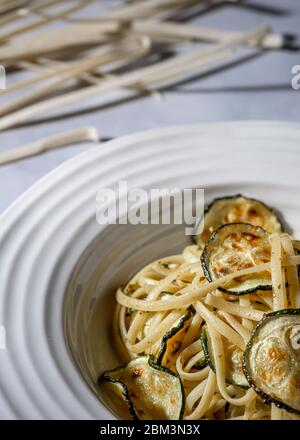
<point>60,268</point>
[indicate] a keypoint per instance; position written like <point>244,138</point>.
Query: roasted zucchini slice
<point>234,247</point>
<point>235,209</point>
<point>171,342</point>
<point>151,391</point>
<point>271,360</point>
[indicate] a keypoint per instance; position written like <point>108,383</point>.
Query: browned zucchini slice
<point>151,391</point>
<point>171,342</point>
<point>235,209</point>
<point>235,247</point>
<point>272,359</point>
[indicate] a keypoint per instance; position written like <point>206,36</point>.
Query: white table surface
<point>256,89</point>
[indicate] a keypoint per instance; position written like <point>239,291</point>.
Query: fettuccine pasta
<point>207,317</point>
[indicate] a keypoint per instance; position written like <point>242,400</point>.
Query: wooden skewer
<point>38,23</point>
<point>163,32</point>
<point>51,68</point>
<point>20,12</point>
<point>87,134</point>
<point>129,49</point>
<point>159,74</point>
<point>50,65</point>
<point>105,56</point>
<point>90,78</point>
<point>10,5</point>
<point>57,39</point>
<point>111,21</point>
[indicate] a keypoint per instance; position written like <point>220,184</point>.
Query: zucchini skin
<point>207,272</point>
<point>105,378</point>
<point>156,366</point>
<point>201,364</point>
<point>208,207</point>
<point>266,397</point>
<point>153,364</point>
<point>203,339</point>
<point>171,333</point>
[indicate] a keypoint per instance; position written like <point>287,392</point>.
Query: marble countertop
<point>252,87</point>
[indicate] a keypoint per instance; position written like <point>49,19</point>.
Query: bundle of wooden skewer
<point>131,49</point>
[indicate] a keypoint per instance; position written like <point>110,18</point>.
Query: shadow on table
<point>255,6</point>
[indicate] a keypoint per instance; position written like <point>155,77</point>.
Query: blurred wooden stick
<point>25,10</point>
<point>130,48</point>
<point>112,21</point>
<point>162,30</point>
<point>87,34</point>
<point>87,134</point>
<point>157,74</point>
<point>42,21</point>
<point>9,5</point>
<point>55,40</point>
